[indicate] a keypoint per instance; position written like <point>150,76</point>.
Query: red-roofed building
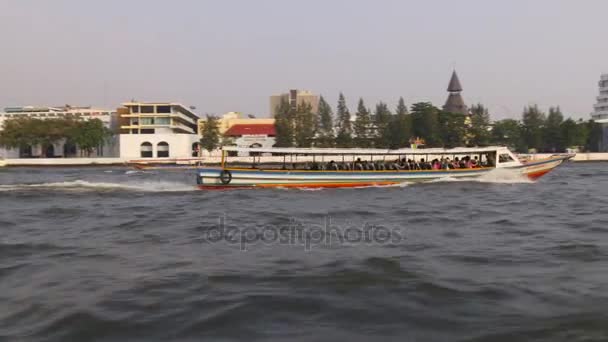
<point>240,130</point>
<point>252,135</point>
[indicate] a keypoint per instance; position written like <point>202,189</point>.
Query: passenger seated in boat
<point>462,163</point>
<point>358,165</point>
<point>332,166</point>
<point>396,164</point>
<point>435,164</point>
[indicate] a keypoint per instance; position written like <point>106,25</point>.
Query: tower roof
<point>454,85</point>
<point>455,104</point>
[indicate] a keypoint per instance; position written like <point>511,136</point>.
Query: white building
<point>600,114</point>
<point>157,130</point>
<point>60,149</point>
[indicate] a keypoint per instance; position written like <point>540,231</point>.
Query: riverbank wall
<point>579,157</point>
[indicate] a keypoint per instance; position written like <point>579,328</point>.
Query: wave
<point>498,176</point>
<point>85,185</point>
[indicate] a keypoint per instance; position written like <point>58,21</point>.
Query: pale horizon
<point>233,55</point>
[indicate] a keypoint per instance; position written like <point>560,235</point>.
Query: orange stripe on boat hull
<point>537,174</point>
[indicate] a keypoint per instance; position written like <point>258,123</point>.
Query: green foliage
<point>479,130</point>
<point>88,135</point>
<point>343,124</point>
<point>533,120</point>
<point>210,139</point>
<point>284,125</point>
<point>425,123</point>
<point>574,134</point>
<point>553,141</point>
<point>452,128</point>
<point>400,127</point>
<point>23,131</point>
<point>382,121</point>
<point>594,138</point>
<point>305,125</point>
<point>325,129</point>
<point>363,126</point>
<point>508,132</point>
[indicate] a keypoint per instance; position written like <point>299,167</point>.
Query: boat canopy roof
<point>365,151</point>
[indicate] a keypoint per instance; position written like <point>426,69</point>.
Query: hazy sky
<point>227,55</point>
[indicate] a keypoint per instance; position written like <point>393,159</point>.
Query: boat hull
<point>217,178</point>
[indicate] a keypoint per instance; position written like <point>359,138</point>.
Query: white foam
<point>498,176</point>
<point>85,185</point>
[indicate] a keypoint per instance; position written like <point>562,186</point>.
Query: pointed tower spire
<point>454,85</point>
<point>455,103</point>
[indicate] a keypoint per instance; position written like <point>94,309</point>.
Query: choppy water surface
<point>108,254</point>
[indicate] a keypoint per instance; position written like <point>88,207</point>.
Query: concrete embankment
<point>579,157</point>
<point>51,162</point>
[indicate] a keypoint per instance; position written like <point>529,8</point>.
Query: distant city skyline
<point>232,55</point>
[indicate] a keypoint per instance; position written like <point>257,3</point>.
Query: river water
<point>110,254</point>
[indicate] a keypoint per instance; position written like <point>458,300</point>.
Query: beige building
<point>158,130</point>
<point>295,98</point>
<point>234,118</point>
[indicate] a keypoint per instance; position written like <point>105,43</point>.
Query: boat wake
<point>497,176</point>
<point>80,185</point>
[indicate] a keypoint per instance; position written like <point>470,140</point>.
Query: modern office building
<point>295,98</point>
<point>60,149</point>
<point>600,113</point>
<point>158,130</point>
<point>455,103</point>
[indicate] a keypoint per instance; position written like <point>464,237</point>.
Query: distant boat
<point>340,168</point>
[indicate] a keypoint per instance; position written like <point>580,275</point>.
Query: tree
<point>210,139</point>
<point>533,121</point>
<point>425,123</point>
<point>508,133</point>
<point>479,130</point>
<point>452,127</point>
<point>400,127</point>
<point>305,124</point>
<point>574,134</point>
<point>382,120</point>
<point>343,124</point>
<point>553,141</point>
<point>362,126</point>
<point>325,129</point>
<point>22,132</point>
<point>594,139</point>
<point>284,125</point>
<point>87,135</point>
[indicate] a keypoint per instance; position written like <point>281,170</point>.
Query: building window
<point>147,131</point>
<point>162,150</point>
<point>147,121</point>
<point>163,121</point>
<point>146,150</point>
<point>147,109</point>
<point>135,109</point>
<point>163,109</point>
